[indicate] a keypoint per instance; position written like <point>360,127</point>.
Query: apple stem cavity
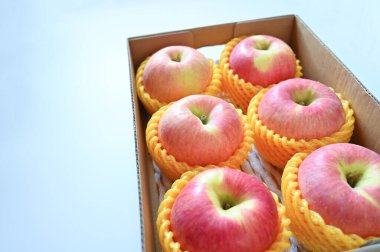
<point>176,57</point>
<point>226,202</point>
<point>262,45</point>
<point>353,178</point>
<point>200,115</point>
<point>226,206</point>
<point>304,97</point>
<point>203,119</point>
<point>353,173</point>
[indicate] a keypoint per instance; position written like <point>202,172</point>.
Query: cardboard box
<point>318,62</point>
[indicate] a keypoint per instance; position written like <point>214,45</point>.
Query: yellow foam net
<point>308,226</point>
<point>152,105</point>
<point>241,91</point>
<point>172,168</point>
<point>278,149</point>
<point>166,237</point>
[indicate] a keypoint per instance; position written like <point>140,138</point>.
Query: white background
<point>68,179</point>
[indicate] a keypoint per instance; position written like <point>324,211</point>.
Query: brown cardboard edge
<point>211,26</point>
<point>137,155</point>
<point>144,173</point>
<point>298,18</point>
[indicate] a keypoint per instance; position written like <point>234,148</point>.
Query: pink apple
<point>201,130</point>
<point>175,72</point>
<point>301,109</point>
<point>341,182</point>
<point>263,60</point>
<point>224,209</point>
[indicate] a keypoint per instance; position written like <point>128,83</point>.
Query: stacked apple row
<point>297,124</point>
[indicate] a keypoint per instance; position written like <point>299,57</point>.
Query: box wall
<point>318,63</point>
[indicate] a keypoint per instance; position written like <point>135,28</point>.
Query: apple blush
<point>175,72</point>
<point>201,130</point>
<point>301,109</point>
<point>341,182</point>
<point>263,60</point>
<point>224,210</point>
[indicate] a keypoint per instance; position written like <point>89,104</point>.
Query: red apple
<point>201,130</point>
<point>175,72</point>
<point>224,209</point>
<point>341,182</point>
<point>301,109</point>
<point>263,60</point>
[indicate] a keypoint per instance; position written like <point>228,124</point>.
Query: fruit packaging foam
<point>308,225</point>
<point>254,165</point>
<point>279,149</point>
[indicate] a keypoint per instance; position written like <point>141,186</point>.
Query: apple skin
<point>200,223</point>
<point>323,184</point>
<point>183,134</point>
<point>301,109</point>
<point>263,60</point>
<point>175,72</point>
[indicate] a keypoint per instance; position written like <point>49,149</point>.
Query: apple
<point>301,109</point>
<point>263,60</point>
<point>224,209</point>
<point>175,72</point>
<point>200,130</point>
<point>341,182</point>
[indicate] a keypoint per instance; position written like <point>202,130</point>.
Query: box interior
<point>318,63</point>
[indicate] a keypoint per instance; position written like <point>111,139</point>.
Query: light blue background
<point>68,179</point>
